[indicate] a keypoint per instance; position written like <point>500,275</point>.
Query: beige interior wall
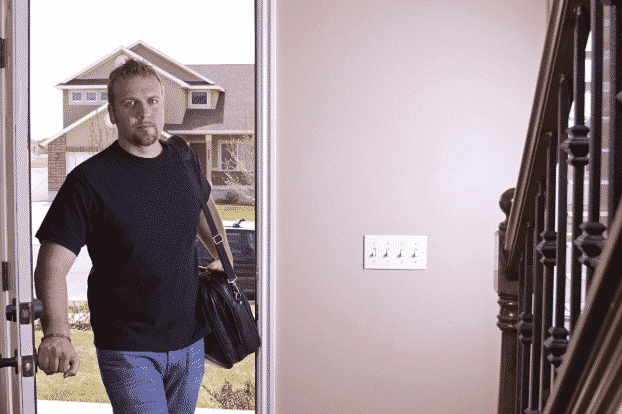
<point>395,117</point>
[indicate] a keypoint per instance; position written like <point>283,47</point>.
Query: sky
<point>66,36</point>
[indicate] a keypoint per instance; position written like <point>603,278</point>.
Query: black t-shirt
<point>138,218</point>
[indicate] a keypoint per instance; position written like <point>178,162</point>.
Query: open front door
<point>17,375</point>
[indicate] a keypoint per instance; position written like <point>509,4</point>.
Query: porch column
<point>209,155</point>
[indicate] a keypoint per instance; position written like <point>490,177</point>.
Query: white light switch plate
<point>396,252</point>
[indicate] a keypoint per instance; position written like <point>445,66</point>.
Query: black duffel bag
<point>234,329</point>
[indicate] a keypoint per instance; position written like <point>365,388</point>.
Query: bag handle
<point>185,152</point>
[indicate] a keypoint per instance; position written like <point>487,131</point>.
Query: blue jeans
<point>153,382</point>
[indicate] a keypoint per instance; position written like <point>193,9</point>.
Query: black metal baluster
<point>525,318</point>
<point>577,147</point>
<point>591,242</point>
<point>520,351</point>
<point>558,341</point>
<point>615,114</point>
<point>547,249</point>
<point>536,348</point>
<point>508,291</point>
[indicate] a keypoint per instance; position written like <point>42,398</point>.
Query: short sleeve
<point>67,220</point>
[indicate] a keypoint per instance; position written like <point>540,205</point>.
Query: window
<point>88,97</point>
<point>202,99</point>
<point>75,96</point>
<point>199,98</point>
<point>237,155</point>
<point>228,157</point>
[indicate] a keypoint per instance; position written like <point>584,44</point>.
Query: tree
<point>237,163</point>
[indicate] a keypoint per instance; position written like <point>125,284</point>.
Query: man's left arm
<point>206,237</point>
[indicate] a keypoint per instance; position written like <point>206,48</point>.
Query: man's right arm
<point>56,354</point>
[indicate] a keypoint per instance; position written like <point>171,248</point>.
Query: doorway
<point>18,235</point>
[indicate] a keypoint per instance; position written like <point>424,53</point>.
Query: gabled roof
<point>204,82</point>
<point>87,82</point>
<point>235,110</point>
<point>136,47</point>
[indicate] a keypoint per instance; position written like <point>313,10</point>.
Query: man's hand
<point>215,267</point>
<point>58,355</point>
<point>55,354</point>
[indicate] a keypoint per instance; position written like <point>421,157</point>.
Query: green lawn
<point>234,212</point>
<point>87,385</point>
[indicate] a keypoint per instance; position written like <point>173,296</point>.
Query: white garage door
<point>75,158</point>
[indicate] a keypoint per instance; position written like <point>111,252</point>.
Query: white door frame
<point>16,246</point>
<point>265,103</point>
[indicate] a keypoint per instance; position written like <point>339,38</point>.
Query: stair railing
<point>559,265</point>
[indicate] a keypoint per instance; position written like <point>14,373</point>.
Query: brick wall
<point>57,165</point>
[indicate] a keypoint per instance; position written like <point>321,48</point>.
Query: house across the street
<point>211,106</point>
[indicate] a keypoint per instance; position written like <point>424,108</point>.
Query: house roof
<point>172,68</point>
<point>235,110</point>
<point>89,82</point>
<point>170,64</point>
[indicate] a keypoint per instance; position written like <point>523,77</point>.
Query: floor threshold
<point>70,407</point>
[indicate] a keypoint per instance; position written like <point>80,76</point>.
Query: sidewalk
<point>54,407</point>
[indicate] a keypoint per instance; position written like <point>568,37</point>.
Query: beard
<point>144,137</point>
<point>144,140</point>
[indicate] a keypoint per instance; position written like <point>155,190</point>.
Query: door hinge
<point>5,276</point>
<point>2,53</point>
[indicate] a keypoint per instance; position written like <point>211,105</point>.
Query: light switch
<point>395,252</point>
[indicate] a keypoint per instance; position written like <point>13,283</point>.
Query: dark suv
<point>241,238</point>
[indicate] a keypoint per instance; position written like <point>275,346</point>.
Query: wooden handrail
<point>556,60</point>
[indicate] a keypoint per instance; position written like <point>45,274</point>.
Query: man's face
<point>138,110</point>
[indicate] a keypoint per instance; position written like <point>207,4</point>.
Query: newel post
<point>508,316</point>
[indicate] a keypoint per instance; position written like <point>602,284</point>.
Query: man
<point>135,209</point>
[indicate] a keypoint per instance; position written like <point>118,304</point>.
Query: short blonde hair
<point>129,69</point>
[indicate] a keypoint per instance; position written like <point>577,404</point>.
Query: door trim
<point>266,214</point>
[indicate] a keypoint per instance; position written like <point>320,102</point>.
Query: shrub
<point>78,315</point>
<point>236,197</point>
<point>240,399</point>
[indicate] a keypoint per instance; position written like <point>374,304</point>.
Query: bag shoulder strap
<point>186,154</point>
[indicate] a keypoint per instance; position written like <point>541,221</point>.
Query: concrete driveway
<point>39,184</point>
